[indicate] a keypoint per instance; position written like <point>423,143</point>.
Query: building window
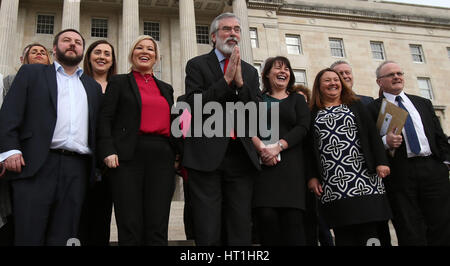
<point>300,77</point>
<point>254,37</point>
<point>202,34</point>
<point>151,29</point>
<point>99,28</point>
<point>45,24</point>
<point>377,50</point>
<point>425,88</point>
<point>417,53</point>
<point>448,52</point>
<point>293,44</point>
<point>337,47</point>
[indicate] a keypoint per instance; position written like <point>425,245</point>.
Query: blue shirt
<point>221,58</point>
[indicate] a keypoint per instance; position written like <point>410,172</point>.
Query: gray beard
<point>225,48</point>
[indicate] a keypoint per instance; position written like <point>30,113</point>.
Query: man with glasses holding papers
<point>418,188</point>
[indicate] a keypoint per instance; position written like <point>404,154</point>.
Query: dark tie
<point>413,140</point>
<point>225,65</point>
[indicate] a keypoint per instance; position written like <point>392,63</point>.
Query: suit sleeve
<point>196,83</point>
<point>108,109</point>
<point>441,140</point>
<point>303,117</point>
<point>13,110</point>
<point>376,144</point>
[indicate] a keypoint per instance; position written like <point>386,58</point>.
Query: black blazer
<point>120,116</point>
<point>365,99</point>
<point>28,115</point>
<point>433,131</point>
<point>205,77</point>
<point>371,144</point>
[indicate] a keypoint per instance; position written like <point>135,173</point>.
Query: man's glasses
<point>228,29</point>
<point>391,75</point>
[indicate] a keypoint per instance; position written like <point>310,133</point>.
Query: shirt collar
<point>59,68</point>
<point>219,55</point>
<point>391,97</point>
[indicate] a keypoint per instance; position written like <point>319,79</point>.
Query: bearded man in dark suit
<point>221,169</point>
<point>47,142</point>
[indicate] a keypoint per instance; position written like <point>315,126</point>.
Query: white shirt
<point>72,120</point>
<point>418,126</point>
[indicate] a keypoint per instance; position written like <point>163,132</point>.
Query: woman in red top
<point>134,140</point>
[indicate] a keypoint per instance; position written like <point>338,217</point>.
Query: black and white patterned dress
<point>348,187</point>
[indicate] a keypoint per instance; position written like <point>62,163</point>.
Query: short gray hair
<point>377,72</point>
<point>215,23</point>
<point>339,62</point>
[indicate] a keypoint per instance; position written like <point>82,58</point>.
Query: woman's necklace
<point>146,78</point>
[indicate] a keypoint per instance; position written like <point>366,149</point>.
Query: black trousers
<point>95,225</point>
<point>225,192</point>
<point>280,226</point>
<point>421,207</point>
<point>356,235</point>
<point>47,206</point>
<point>142,191</point>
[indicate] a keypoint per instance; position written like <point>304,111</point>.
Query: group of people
<point>76,141</point>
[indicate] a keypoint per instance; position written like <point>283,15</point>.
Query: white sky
<point>444,3</point>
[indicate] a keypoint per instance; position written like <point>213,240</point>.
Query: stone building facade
<point>311,33</point>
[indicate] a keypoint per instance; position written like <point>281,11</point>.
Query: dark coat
<point>28,115</point>
<point>205,77</point>
<point>120,116</point>
<point>433,131</point>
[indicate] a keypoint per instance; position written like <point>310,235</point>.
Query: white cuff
<point>6,154</point>
<point>386,146</point>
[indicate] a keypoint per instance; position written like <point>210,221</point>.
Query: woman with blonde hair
<point>134,142</point>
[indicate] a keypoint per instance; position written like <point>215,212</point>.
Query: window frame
<point>255,38</point>
<point>298,45</point>
<point>197,34</point>
<point>382,51</point>
<point>421,53</point>
<point>303,71</point>
<point>341,48</point>
<point>158,38</point>
<point>429,88</point>
<point>92,27</point>
<point>37,23</point>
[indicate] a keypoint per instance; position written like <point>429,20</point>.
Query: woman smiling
<point>349,162</point>
<point>134,142</point>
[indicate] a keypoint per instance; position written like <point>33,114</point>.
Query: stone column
<point>8,26</point>
<point>130,31</point>
<point>240,10</point>
<point>71,15</point>
<point>188,35</point>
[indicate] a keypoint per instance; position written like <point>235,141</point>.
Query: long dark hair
<point>270,62</point>
<point>347,95</point>
<point>87,67</point>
